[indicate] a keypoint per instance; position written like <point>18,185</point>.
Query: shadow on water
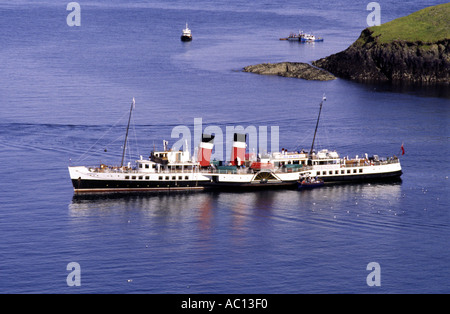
<point>439,90</point>
<point>260,198</point>
<point>246,213</point>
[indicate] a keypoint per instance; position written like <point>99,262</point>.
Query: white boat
<point>186,34</point>
<point>302,37</point>
<point>310,38</point>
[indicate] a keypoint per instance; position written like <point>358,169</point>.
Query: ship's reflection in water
<point>205,209</point>
<point>237,212</point>
<point>201,242</point>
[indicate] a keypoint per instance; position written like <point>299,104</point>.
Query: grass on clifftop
<point>427,25</point>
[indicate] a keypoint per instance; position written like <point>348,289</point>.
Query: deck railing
<point>247,170</point>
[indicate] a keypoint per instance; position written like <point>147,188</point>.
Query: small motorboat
<point>302,37</point>
<point>186,35</point>
<point>310,183</point>
<point>309,38</point>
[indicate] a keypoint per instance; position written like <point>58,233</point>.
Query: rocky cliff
<point>415,48</point>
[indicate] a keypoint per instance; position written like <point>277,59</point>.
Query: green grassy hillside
<point>429,25</point>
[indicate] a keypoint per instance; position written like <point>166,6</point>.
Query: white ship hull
<point>91,180</point>
<point>94,180</point>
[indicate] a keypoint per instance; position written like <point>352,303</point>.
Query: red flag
<point>403,150</point>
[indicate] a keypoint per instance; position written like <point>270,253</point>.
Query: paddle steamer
<point>168,170</point>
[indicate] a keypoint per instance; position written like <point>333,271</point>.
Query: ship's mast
<point>126,135</point>
<point>317,125</point>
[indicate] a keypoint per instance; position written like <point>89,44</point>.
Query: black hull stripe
<point>135,185</point>
<point>362,177</point>
<point>105,186</point>
<point>119,190</point>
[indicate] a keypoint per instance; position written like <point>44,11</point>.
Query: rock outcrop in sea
<point>291,69</point>
<point>414,49</point>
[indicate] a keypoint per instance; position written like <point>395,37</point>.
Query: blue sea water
<point>65,93</point>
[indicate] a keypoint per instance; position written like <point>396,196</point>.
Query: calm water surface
<point>64,97</point>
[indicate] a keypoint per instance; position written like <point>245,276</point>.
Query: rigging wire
<point>80,159</point>
<point>135,137</point>
<point>299,143</point>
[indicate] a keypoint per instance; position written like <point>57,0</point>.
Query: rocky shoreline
<point>411,49</point>
<point>414,62</point>
<point>291,69</point>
